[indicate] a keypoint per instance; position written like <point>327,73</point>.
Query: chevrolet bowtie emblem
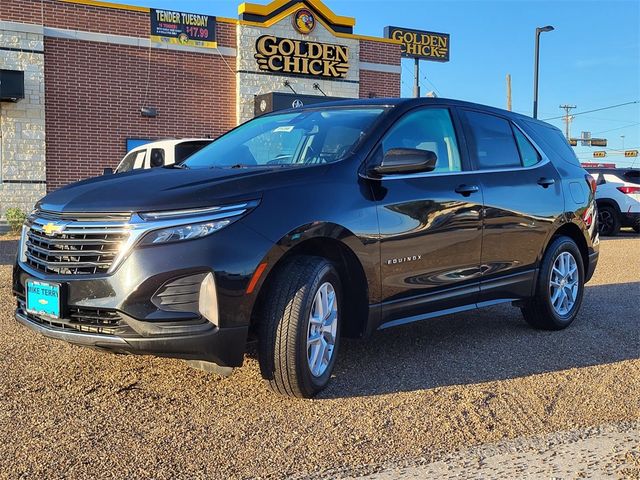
<point>52,228</point>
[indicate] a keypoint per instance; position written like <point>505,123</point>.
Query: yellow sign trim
<point>294,8</point>
<point>265,10</point>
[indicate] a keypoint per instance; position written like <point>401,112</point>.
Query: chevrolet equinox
<point>301,227</point>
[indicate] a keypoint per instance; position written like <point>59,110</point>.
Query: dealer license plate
<point>43,298</point>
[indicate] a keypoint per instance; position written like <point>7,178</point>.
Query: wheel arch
<point>340,246</point>
<point>610,202</point>
<point>573,231</point>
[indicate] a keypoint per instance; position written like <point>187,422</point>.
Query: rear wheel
<point>608,220</point>
<point>559,289</point>
<point>300,331</point>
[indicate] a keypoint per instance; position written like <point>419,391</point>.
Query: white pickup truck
<point>161,153</point>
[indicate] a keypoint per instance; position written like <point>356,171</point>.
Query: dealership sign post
<point>180,28</point>
<point>420,44</point>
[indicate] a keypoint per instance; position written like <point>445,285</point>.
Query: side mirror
<point>157,157</point>
<point>406,160</point>
<point>107,171</point>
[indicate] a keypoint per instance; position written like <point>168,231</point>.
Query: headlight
<point>184,232</point>
<point>178,225</point>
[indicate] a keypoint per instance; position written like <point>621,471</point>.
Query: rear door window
<point>491,141</point>
<point>528,153</point>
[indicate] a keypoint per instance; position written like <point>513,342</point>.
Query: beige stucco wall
<point>22,124</point>
<point>251,84</point>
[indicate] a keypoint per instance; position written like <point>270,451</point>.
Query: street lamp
<point>539,30</point>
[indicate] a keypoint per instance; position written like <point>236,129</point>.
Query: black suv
<point>302,226</point>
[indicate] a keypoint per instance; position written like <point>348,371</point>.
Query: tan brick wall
<point>22,124</point>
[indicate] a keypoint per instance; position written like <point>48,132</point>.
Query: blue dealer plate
<point>43,298</point>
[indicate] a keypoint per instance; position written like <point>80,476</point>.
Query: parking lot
<point>405,396</point>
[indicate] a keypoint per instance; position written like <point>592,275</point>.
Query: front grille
<point>81,248</point>
<point>82,319</point>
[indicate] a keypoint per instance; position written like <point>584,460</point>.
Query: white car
<point>161,153</point>
<point>618,198</point>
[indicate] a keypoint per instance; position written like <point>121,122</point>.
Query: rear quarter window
<point>553,142</point>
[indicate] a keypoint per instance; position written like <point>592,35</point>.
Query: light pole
<point>539,30</point>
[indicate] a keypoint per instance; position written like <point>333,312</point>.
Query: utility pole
<point>509,91</point>
<point>567,119</point>
<point>416,73</point>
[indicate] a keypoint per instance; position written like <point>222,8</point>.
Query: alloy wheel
<point>322,330</point>
<point>564,283</point>
<point>606,221</point>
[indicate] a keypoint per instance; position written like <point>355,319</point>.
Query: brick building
<point>89,67</point>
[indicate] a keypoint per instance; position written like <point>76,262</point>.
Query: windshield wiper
<point>181,166</point>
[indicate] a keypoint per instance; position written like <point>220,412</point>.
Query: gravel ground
<point>409,395</point>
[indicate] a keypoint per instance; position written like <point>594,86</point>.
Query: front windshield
<point>308,137</point>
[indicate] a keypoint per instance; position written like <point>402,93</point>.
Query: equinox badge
<point>394,261</point>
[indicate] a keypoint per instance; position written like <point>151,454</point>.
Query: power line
<point>618,128</point>
<point>596,110</point>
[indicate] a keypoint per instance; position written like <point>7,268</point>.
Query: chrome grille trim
<point>78,247</point>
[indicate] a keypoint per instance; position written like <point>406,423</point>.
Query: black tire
<point>539,311</point>
<point>282,345</point>
<point>636,226</point>
<point>608,220</point>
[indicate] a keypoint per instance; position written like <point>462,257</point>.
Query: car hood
<point>169,189</point>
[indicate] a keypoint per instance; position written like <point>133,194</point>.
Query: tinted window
<point>552,139</point>
<point>427,129</point>
<point>632,176</point>
<point>528,154</point>
<point>491,141</point>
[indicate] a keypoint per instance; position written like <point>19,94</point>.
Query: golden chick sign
<point>301,57</point>
<point>421,44</point>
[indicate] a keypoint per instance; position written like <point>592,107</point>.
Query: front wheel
<point>559,289</point>
<point>300,329</point>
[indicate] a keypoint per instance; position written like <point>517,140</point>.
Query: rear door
<point>430,222</point>
<point>522,200</point>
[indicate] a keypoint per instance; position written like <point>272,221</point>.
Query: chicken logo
<point>304,21</point>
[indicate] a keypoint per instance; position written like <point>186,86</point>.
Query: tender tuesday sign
<point>182,28</point>
<point>421,44</point>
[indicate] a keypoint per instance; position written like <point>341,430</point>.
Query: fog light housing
<point>208,299</point>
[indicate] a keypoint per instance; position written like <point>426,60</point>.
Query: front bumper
<point>221,346</point>
<point>130,317</point>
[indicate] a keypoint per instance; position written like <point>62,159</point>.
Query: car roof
<point>170,142</point>
<point>415,102</point>
<point>616,170</point>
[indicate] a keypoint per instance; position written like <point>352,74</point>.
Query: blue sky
<point>591,60</point>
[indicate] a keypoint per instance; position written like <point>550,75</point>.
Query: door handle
<point>546,182</point>
<point>466,190</point>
